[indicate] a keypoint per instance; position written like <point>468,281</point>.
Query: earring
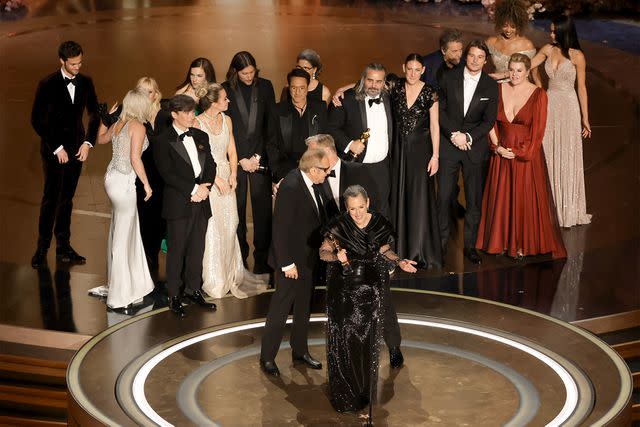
<point>313,76</point>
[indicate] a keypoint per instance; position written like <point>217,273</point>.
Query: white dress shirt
<point>72,93</point>
<point>190,146</point>
<point>334,183</point>
<point>378,144</point>
<point>309,184</point>
<point>470,85</point>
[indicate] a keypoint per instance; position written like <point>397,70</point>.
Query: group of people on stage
<point>363,182</point>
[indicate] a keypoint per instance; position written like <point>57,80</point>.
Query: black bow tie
<point>332,174</point>
<point>374,101</point>
<point>183,135</point>
<point>68,80</point>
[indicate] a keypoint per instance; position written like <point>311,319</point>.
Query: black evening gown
<point>413,200</point>
<point>355,311</point>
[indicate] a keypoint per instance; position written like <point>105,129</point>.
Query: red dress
<point>518,214</point>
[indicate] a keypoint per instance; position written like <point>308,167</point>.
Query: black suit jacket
<point>478,121</point>
<point>252,123</point>
<point>283,152</point>
<point>174,166</point>
<point>296,227</point>
<point>350,174</point>
<point>57,120</point>
<point>347,122</point>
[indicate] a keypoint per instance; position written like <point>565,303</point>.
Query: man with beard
<point>367,107</point>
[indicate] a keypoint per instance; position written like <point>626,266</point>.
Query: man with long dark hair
<point>251,110</point>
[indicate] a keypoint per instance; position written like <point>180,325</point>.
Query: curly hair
<point>511,12</point>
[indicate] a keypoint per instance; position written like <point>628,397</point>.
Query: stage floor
<point>467,362</point>
<point>123,41</point>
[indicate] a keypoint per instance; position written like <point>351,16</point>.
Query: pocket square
<point>484,99</point>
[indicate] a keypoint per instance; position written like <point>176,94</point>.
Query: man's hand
<point>203,191</point>
<point>276,187</point>
<point>63,157</point>
<point>248,165</point>
<point>357,147</point>
<point>459,139</point>
<point>292,273</point>
<point>337,98</point>
<point>83,152</point>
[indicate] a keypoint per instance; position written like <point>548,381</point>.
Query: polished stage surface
<point>125,40</point>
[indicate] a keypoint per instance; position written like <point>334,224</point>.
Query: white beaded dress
<point>223,271</point>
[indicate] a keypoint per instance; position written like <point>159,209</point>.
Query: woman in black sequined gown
<point>355,300</point>
<point>414,164</point>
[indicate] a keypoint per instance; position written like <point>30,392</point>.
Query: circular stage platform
<point>468,362</point>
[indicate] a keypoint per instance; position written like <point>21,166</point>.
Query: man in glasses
<point>298,217</point>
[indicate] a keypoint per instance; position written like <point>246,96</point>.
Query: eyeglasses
<point>301,67</point>
<point>325,170</point>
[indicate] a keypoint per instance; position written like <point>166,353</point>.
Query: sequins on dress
<point>563,145</point>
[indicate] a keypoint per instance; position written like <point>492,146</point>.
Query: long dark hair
<point>566,34</point>
<point>206,65</point>
<point>239,62</point>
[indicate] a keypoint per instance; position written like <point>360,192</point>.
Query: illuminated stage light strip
<point>571,387</point>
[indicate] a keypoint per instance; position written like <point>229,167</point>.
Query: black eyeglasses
<point>325,170</point>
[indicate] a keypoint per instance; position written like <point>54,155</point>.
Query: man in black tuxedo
<point>367,106</point>
<point>60,103</point>
<point>183,157</point>
<point>468,111</point>
<point>297,118</point>
<point>252,111</point>
<point>297,220</point>
<point>345,174</point>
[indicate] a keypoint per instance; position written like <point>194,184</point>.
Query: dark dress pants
<point>390,328</point>
<point>379,177</point>
<point>473,176</point>
<point>185,242</point>
<point>260,188</point>
<point>60,182</point>
<point>288,292</point>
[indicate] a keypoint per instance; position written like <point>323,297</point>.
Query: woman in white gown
<point>127,271</point>
<point>223,271</point>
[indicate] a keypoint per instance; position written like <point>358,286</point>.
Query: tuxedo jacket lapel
<point>180,148</point>
<point>458,93</point>
<point>201,155</point>
<point>309,196</point>
<point>363,114</point>
<point>242,106</point>
<point>64,92</point>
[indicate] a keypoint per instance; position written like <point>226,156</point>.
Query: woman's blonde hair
<point>149,84</point>
<point>208,95</point>
<point>136,105</point>
<point>521,58</point>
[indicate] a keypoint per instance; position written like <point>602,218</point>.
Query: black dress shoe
<point>396,359</point>
<point>198,298</point>
<point>473,256</point>
<point>69,256</point>
<point>175,305</point>
<point>269,367</point>
<point>307,360</point>
<point>39,259</point>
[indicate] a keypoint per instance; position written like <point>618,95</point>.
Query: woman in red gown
<point>518,215</point>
